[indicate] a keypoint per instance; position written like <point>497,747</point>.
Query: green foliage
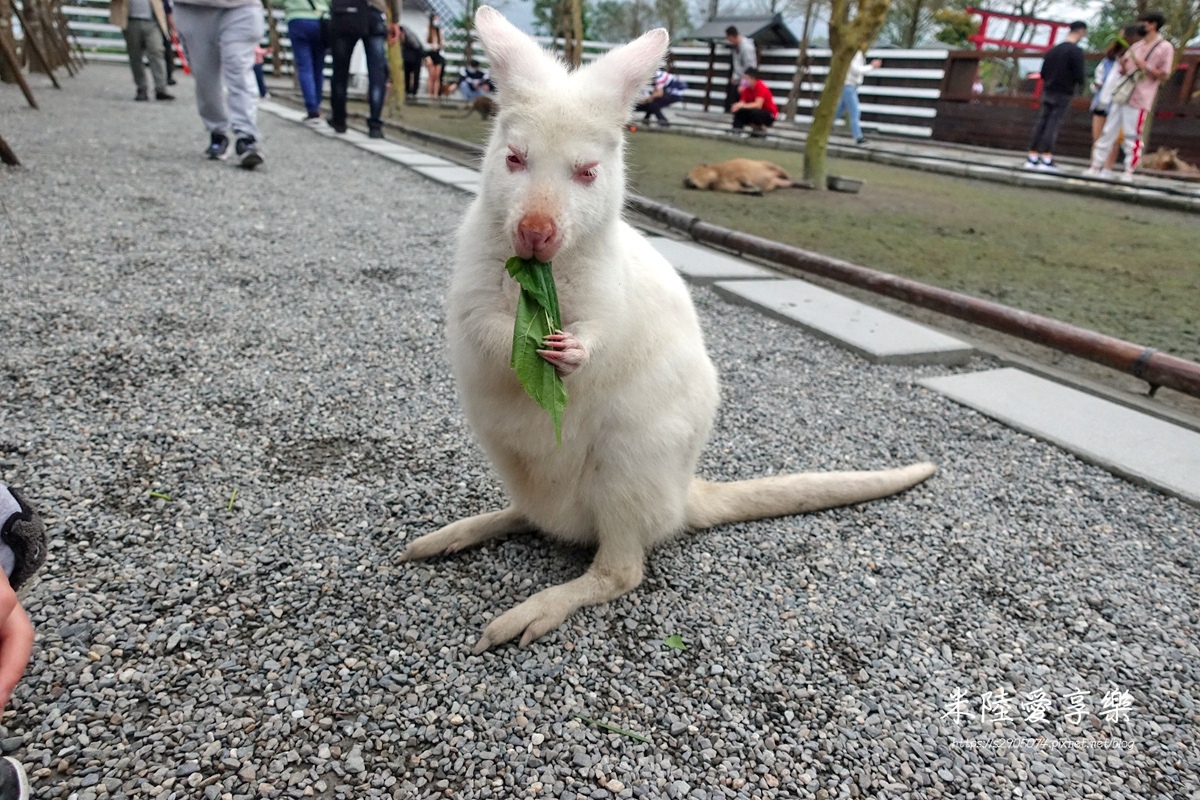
<point>956,26</point>
<point>549,17</point>
<point>910,23</point>
<point>537,317</point>
<point>675,642</point>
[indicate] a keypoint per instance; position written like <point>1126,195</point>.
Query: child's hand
<point>16,641</point>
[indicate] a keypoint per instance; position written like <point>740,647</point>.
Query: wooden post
<point>7,156</point>
<point>708,78</point>
<point>32,43</point>
<point>10,58</point>
<point>395,65</point>
<point>273,40</point>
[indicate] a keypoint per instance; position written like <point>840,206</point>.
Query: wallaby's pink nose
<point>537,237</point>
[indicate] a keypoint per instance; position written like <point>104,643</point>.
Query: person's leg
<point>169,59</point>
<point>1134,121</point>
<point>855,111</point>
<point>240,30</point>
<point>661,103</point>
<point>1059,107</point>
<point>1108,137</point>
<point>740,118</point>
<point>318,46</point>
<point>152,46</point>
<point>1097,126</point>
<point>841,105</point>
<point>300,33</point>
<point>1039,128</point>
<point>197,26</point>
<point>133,46</point>
<point>376,51</point>
<point>731,95</point>
<point>341,47</point>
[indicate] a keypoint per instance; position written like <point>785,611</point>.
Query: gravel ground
<point>181,328</point>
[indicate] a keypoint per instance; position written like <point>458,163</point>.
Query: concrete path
<point>1126,442</point>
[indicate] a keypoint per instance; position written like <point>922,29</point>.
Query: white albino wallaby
<point>643,393</point>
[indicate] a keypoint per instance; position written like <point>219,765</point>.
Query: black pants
<point>1049,122</point>
<point>752,116</point>
<point>732,95</point>
<point>342,47</point>
<point>656,105</point>
<point>169,52</point>
<point>412,74</point>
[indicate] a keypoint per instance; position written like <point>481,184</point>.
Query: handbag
<point>350,18</point>
<point>322,21</point>
<point>1124,89</point>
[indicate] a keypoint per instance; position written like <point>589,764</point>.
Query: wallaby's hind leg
<point>467,533</point>
<point>616,570</point>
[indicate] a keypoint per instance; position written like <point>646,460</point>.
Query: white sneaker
<point>1031,163</point>
<point>1124,177</point>
<point>1091,172</point>
<point>1048,166</point>
<point>1106,174</point>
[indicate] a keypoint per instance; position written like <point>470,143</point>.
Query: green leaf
<point>160,496</point>
<point>610,727</point>
<point>538,316</point>
<point>675,642</point>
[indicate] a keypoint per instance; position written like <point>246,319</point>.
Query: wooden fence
<point>899,98</point>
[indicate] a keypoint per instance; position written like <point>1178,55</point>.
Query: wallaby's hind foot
<point>466,533</point>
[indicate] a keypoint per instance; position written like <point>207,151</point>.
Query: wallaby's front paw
<point>443,542</point>
<point>534,618</point>
<point>564,351</point>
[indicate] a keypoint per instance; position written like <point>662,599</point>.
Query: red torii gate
<point>980,38</point>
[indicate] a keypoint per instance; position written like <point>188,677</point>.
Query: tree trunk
<point>789,110</point>
<point>577,32</point>
<point>395,61</point>
<point>910,36</point>
<point>845,38</point>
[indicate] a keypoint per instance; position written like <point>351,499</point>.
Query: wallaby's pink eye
<point>515,161</point>
<point>586,173</point>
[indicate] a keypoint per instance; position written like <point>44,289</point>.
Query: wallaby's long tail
<point>780,495</point>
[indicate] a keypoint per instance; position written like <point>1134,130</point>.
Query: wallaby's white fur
<point>643,393</point>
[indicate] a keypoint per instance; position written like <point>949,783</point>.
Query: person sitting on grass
<point>756,108</point>
<point>667,89</point>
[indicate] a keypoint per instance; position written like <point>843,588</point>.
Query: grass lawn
<point>1122,269</point>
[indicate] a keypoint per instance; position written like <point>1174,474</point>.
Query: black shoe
<point>13,783</point>
<point>376,132</point>
<point>338,127</point>
<point>758,134</point>
<point>248,155</point>
<point>160,95</point>
<point>142,96</point>
<point>218,147</point>
<point>861,140</point>
<point>171,81</point>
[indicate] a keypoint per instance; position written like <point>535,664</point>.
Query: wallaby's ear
<point>516,60</point>
<point>627,69</point>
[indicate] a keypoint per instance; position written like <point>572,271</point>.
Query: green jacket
<point>302,9</point>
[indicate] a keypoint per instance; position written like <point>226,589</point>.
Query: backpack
<point>350,18</point>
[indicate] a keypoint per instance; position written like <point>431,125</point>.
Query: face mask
<point>745,84</point>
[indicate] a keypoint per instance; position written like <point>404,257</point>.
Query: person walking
<point>1144,66</point>
<point>848,103</point>
<point>143,23</point>
<point>349,22</point>
<point>1062,71</point>
<point>219,37</point>
<point>744,56</point>
<point>304,27</point>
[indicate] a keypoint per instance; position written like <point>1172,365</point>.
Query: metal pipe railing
<point>1146,363</point>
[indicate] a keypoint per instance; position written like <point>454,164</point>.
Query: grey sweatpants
<point>143,38</point>
<point>219,44</point>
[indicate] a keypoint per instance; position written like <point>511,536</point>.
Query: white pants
<point>1121,118</point>
<point>219,43</point>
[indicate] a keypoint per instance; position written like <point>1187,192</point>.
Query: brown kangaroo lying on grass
<point>643,392</point>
